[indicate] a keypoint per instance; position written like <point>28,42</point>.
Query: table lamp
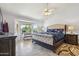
<point>71,29</point>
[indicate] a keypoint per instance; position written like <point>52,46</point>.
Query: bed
<point>51,39</point>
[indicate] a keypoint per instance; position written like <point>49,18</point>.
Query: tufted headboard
<point>58,26</point>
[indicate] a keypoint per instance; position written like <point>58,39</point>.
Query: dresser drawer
<point>71,39</point>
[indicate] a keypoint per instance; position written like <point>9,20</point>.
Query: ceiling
<point>25,9</point>
<point>35,10</point>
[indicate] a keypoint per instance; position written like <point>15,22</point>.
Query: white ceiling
<point>34,10</point>
<point>25,9</point>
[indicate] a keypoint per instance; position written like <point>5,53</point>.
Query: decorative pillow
<point>51,30</point>
<point>54,30</point>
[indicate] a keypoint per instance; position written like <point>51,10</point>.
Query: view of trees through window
<point>26,28</point>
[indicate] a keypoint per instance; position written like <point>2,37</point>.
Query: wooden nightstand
<point>71,39</point>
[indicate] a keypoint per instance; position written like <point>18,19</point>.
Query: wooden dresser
<point>7,45</point>
<point>71,39</point>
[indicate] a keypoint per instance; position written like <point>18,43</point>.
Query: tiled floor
<point>27,48</point>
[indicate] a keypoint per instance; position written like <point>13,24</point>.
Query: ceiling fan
<point>48,11</point>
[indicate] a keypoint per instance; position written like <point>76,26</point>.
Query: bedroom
<point>55,21</point>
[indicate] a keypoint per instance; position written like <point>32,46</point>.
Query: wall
<point>10,19</point>
<point>13,20</point>
<point>66,15</point>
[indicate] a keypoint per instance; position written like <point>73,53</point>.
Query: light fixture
<point>71,29</point>
<point>47,11</point>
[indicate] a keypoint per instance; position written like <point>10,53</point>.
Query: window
<point>26,28</point>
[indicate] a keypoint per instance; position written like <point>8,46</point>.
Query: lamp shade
<point>71,28</point>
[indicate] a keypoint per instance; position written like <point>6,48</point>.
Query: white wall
<point>10,19</point>
<point>14,19</point>
<point>66,15</point>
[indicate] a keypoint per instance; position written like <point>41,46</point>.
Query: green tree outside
<point>27,28</point>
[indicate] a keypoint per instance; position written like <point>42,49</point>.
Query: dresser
<point>71,39</point>
<point>7,45</point>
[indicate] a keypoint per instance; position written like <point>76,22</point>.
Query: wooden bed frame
<point>55,44</point>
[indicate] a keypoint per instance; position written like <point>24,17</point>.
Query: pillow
<point>51,30</point>
<point>60,30</point>
<point>54,30</point>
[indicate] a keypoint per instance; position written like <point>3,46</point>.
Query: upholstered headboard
<point>58,26</point>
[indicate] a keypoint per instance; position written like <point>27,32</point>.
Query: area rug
<point>68,50</point>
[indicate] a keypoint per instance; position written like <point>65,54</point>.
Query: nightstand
<point>71,39</point>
